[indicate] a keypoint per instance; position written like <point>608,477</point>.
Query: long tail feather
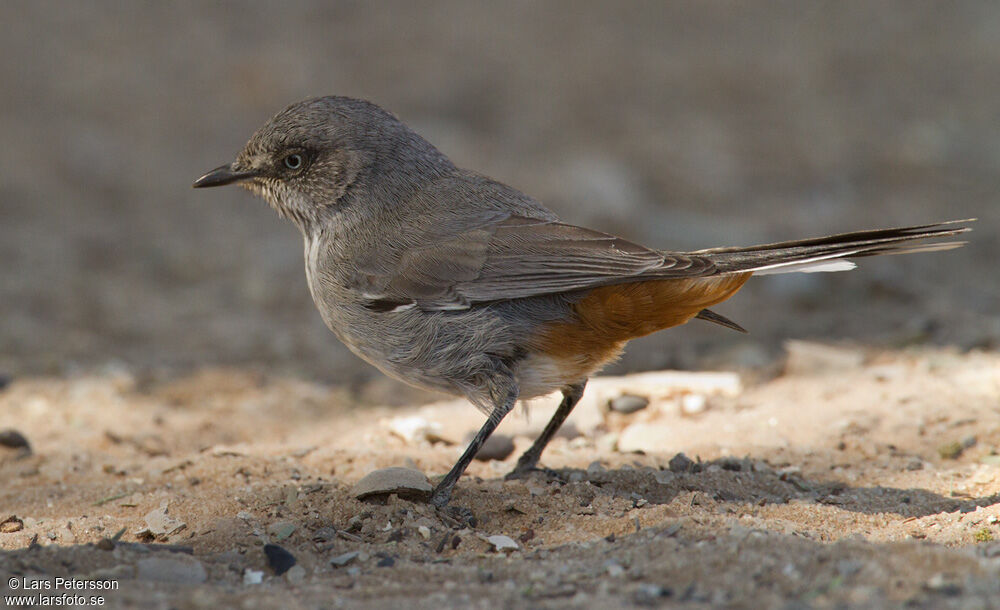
<point>818,254</point>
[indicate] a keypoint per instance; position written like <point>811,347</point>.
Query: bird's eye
<point>294,161</point>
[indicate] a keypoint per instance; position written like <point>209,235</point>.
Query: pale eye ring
<point>294,161</point>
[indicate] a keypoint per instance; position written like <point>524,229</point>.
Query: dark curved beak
<point>223,175</point>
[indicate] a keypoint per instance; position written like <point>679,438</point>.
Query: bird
<point>449,280</point>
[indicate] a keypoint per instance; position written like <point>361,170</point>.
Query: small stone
<point>693,404</point>
<point>386,562</point>
<point>343,559</point>
<point>628,403</point>
<point>11,524</point>
<point>939,583</point>
<point>424,531</point>
<point>414,429</point>
<point>613,568</point>
<point>186,571</point>
<point>324,534</point>
<point>253,577</point>
<point>4,381</point>
<point>278,559</point>
<point>951,451</point>
<point>681,463</point>
<point>502,543</point>
<point>405,482</point>
<point>295,575</point>
<point>12,439</point>
<point>281,530</point>
<point>915,463</point>
<point>649,594</point>
<point>664,477</point>
<point>497,447</point>
<point>158,523</point>
<point>354,571</point>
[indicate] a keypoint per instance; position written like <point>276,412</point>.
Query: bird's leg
<point>527,462</point>
<point>442,493</point>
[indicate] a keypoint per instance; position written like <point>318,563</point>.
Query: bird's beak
<point>225,174</point>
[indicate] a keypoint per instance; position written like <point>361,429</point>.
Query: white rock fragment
<point>502,543</point>
<point>404,482</point>
<point>693,404</point>
<point>253,577</point>
<point>414,429</point>
<point>424,531</point>
<point>158,523</point>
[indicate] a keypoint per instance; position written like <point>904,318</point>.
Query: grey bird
<point>449,280</point>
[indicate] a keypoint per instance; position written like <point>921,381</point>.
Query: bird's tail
<point>828,253</point>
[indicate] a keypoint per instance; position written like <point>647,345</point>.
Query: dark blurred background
<point>681,125</point>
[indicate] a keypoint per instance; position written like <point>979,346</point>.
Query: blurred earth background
<point>680,126</point>
<point>677,125</point>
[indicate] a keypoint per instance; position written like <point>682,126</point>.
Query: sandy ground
<point>851,478</point>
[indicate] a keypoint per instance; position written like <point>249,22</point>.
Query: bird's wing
<point>515,257</point>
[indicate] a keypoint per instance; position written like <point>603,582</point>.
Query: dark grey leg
<point>442,493</point>
<point>527,462</point>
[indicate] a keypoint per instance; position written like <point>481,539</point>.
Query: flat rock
<point>497,447</point>
<point>628,403</point>
<point>179,569</point>
<point>502,543</point>
<point>343,559</point>
<point>404,482</point>
<point>158,523</point>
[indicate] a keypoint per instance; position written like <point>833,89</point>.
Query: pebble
<point>939,583</point>
<point>324,534</point>
<point>253,577</point>
<point>664,477</point>
<point>497,447</point>
<point>424,531</point>
<point>628,403</point>
<point>613,568</point>
<point>343,559</point>
<point>386,562</point>
<point>12,439</point>
<point>950,451</point>
<point>414,429</point>
<point>404,482</point>
<point>693,404</point>
<point>295,575</point>
<point>281,530</point>
<point>648,594</point>
<point>278,559</point>
<point>682,463</point>
<point>11,524</point>
<point>502,543</point>
<point>178,570</point>
<point>158,523</point>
